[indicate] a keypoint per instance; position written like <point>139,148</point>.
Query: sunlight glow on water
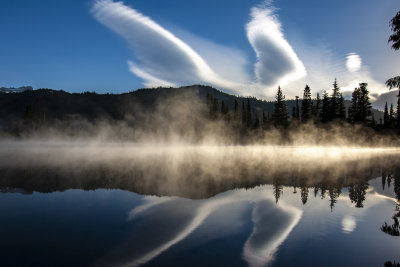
<point>348,224</point>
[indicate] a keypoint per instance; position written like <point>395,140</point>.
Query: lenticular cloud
<point>277,63</point>
<point>164,59</point>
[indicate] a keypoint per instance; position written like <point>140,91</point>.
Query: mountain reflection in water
<point>273,203</point>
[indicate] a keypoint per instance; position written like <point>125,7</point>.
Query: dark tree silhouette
<point>395,27</point>
<point>236,111</point>
<point>304,194</point>
<point>335,101</point>
<point>357,193</point>
<point>249,118</point>
<point>386,116</point>
<point>306,105</point>
<point>360,107</point>
<point>342,108</point>
<point>391,264</point>
<point>243,114</point>
<point>256,121</point>
<point>296,110</point>
<point>278,190</point>
<point>280,115</point>
<point>334,193</point>
<point>395,40</point>
<point>264,120</point>
<point>391,116</point>
<point>325,112</point>
<point>316,110</point>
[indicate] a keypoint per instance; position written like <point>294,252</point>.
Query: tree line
<point>328,108</point>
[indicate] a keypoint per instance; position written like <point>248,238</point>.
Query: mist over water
<point>178,181</point>
<point>186,170</point>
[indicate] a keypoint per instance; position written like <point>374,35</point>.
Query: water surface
<point>127,205</point>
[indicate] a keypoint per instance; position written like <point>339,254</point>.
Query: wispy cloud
<point>164,59</point>
<point>277,63</point>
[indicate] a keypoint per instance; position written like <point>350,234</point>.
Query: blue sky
<point>244,47</point>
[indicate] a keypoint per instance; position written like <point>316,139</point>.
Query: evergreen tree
<point>280,115</point>
<point>214,108</point>
<point>357,193</point>
<point>212,104</point>
<point>342,108</point>
<point>264,120</point>
<point>386,116</point>
<point>325,112</point>
<point>391,116</point>
<point>304,194</point>
<point>395,27</point>
<point>236,111</point>
<point>225,111</point>
<point>256,121</point>
<point>277,189</point>
<point>296,110</point>
<point>243,114</point>
<point>354,106</point>
<point>335,101</point>
<point>365,103</point>
<point>29,114</point>
<point>334,193</point>
<point>395,40</point>
<point>316,111</point>
<point>360,107</point>
<point>249,118</point>
<point>306,105</point>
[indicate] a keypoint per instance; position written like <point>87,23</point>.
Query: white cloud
<point>353,62</point>
<point>277,63</point>
<point>165,60</point>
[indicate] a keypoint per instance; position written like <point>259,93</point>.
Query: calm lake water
<point>129,205</point>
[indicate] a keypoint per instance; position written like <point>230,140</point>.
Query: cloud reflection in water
<point>170,220</point>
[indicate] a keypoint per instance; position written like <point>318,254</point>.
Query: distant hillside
<point>15,90</point>
<point>52,104</point>
<point>60,104</point>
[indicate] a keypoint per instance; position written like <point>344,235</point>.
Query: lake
<point>68,203</point>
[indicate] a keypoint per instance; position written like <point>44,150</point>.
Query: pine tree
<point>386,116</point>
<point>264,120</point>
<point>335,101</point>
<point>225,111</point>
<point>296,110</point>
<point>365,103</point>
<point>249,118</point>
<point>306,105</point>
<point>256,121</point>
<point>280,115</point>
<point>354,106</point>
<point>304,194</point>
<point>395,40</point>
<point>360,107</point>
<point>236,111</point>
<point>391,116</point>
<point>342,108</point>
<point>316,111</point>
<point>325,112</point>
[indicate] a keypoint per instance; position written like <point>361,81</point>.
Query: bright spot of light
<point>353,62</point>
<point>348,224</point>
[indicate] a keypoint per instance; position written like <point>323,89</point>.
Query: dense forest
<point>195,111</point>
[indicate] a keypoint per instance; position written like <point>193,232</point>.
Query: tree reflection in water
<point>207,175</point>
